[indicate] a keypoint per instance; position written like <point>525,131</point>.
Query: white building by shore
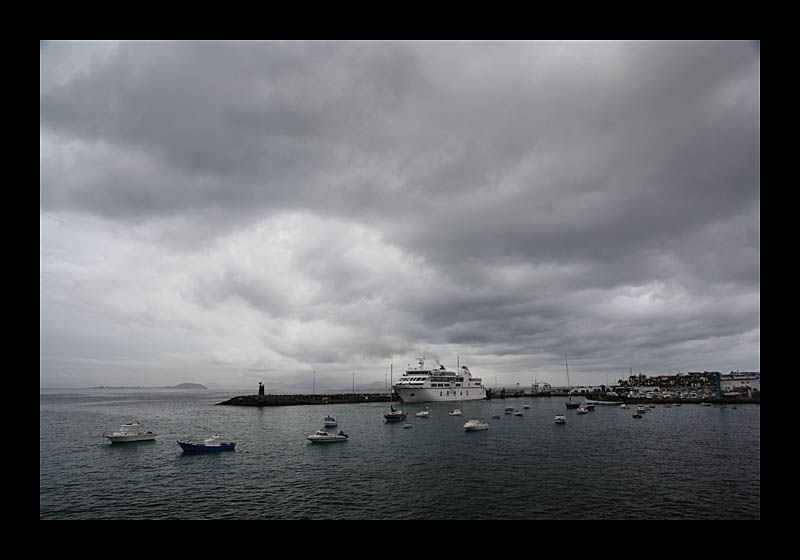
<point>741,380</point>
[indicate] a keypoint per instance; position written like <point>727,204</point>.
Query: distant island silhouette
<point>178,386</point>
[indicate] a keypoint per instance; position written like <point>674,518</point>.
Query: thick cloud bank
<point>229,212</point>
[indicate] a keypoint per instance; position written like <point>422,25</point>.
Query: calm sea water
<point>689,462</point>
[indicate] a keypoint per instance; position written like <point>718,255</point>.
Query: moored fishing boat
<point>130,432</point>
<point>393,415</point>
<point>476,425</point>
<point>210,444</point>
<point>570,404</point>
<point>323,436</point>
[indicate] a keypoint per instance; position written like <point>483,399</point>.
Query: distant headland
<point>178,386</point>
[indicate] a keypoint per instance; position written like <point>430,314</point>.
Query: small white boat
<point>424,413</point>
<point>509,410</point>
<point>323,436</point>
<point>640,409</point>
<point>476,425</point>
<point>517,413</point>
<point>330,421</point>
<point>560,419</point>
<point>581,410</point>
<point>130,432</point>
<point>456,412</point>
<point>408,425</point>
<point>623,405</point>
<point>526,405</point>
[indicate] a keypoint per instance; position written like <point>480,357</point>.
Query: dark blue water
<point>689,462</point>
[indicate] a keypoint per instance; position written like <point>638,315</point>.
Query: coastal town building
<point>706,382</point>
<point>741,381</point>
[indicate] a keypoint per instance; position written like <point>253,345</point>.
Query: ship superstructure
<point>424,385</point>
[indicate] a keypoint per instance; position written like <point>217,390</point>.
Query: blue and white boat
<point>211,444</point>
<point>330,421</point>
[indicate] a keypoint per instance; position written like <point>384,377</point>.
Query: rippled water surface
<point>688,462</point>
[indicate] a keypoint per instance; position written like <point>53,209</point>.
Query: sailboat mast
<point>567,364</point>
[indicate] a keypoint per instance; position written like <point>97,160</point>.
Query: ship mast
<point>567,364</point>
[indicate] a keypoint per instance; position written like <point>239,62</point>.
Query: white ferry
<point>426,385</point>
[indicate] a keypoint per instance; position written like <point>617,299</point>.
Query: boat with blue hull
<point>211,444</point>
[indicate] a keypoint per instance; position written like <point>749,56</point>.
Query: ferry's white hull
<point>416,394</point>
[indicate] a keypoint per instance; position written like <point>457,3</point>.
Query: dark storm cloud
<point>231,125</point>
<point>498,199</point>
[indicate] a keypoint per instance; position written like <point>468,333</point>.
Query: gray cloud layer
<point>251,210</point>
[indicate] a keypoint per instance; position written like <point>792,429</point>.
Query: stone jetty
<point>290,400</point>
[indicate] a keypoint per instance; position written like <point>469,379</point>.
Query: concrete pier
<point>290,400</point>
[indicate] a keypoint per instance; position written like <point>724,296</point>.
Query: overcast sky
<point>236,212</point>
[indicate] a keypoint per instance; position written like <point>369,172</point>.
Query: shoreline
<point>349,398</point>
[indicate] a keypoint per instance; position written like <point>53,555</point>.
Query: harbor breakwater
<point>350,398</point>
<point>290,400</point>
